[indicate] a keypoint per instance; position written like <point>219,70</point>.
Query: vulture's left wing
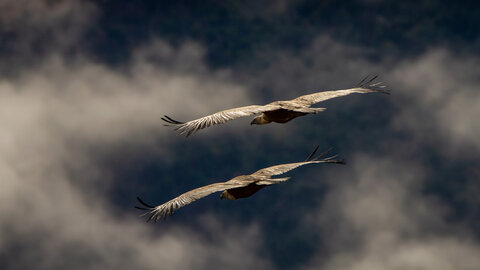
<point>283,168</point>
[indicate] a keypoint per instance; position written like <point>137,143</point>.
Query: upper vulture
<point>238,187</point>
<point>277,111</point>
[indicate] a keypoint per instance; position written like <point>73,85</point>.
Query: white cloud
<point>42,26</point>
<point>58,116</point>
<point>441,99</point>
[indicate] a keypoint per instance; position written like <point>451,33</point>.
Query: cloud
<point>59,116</point>
<point>43,13</point>
<point>324,65</point>
<point>434,95</point>
<point>440,100</point>
<point>375,216</point>
<point>32,30</point>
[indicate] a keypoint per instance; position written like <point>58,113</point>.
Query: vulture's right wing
<point>190,127</point>
<point>166,209</point>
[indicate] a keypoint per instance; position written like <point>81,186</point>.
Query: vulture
<point>277,111</point>
<point>242,186</point>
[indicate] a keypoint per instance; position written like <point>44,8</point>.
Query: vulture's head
<point>226,195</point>
<point>260,120</point>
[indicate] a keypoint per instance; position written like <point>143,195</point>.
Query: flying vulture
<point>242,186</point>
<point>277,111</point>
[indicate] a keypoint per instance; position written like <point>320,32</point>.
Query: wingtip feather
<point>144,203</point>
<point>324,153</point>
<point>169,120</point>
<point>312,154</point>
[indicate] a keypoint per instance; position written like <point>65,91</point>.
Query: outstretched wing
<point>166,209</point>
<point>218,118</point>
<point>283,168</point>
<point>367,85</point>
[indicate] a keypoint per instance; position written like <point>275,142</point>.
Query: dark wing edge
<point>369,83</point>
<point>170,121</point>
<point>330,159</point>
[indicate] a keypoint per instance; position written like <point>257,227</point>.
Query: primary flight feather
<point>238,187</point>
<point>277,111</point>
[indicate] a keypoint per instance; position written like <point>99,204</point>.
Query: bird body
<point>277,111</point>
<point>241,192</point>
<point>283,115</point>
<point>242,186</point>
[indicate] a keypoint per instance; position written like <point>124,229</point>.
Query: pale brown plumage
<point>277,111</point>
<point>238,187</point>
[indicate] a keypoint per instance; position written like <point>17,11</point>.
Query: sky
<point>83,85</point>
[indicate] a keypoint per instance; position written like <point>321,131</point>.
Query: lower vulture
<point>238,187</point>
